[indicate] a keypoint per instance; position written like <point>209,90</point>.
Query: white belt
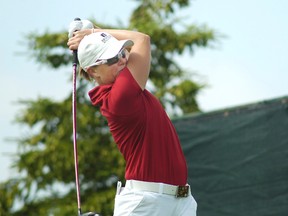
<point>178,191</point>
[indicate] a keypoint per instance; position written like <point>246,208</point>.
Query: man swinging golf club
<point>156,171</point>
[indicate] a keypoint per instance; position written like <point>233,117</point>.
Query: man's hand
<point>74,41</point>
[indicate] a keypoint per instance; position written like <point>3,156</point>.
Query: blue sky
<point>249,65</point>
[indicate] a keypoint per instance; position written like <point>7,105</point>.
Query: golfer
<point>156,171</point>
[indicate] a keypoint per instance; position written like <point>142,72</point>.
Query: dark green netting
<point>238,159</point>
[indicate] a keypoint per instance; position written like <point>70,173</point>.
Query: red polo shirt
<point>142,131</point>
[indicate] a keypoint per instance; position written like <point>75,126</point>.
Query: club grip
<point>75,56</point>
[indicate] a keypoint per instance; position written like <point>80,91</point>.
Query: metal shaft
<point>74,102</point>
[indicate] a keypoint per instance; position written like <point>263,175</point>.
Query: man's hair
<point>84,74</point>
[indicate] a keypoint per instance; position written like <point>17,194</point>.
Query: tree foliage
<point>45,185</point>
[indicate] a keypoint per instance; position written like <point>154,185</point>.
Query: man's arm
<point>140,53</point>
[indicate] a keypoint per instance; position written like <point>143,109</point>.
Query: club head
<point>90,214</point>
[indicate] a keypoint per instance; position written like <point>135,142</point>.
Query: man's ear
<point>92,72</point>
<point>89,71</point>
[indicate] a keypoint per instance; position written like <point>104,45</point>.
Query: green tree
<point>46,185</point>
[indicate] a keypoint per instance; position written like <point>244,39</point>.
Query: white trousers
<point>130,202</point>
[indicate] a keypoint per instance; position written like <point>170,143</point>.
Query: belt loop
<point>128,184</point>
<point>161,186</point>
<point>119,185</point>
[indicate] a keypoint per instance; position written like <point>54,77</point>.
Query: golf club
<point>79,26</point>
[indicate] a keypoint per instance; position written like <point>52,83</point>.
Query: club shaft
<point>74,106</point>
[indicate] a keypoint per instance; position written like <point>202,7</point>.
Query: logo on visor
<point>105,37</point>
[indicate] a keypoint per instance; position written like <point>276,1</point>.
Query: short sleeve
<point>126,95</point>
